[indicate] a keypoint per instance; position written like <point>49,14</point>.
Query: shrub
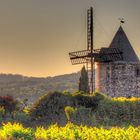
<point>74,132</point>
<point>88,101</point>
<point>70,113</point>
<point>16,130</point>
<point>99,96</point>
<point>51,106</point>
<point>69,132</point>
<point>26,134</point>
<point>80,115</point>
<point>118,111</point>
<point>2,112</point>
<point>22,116</point>
<point>8,103</point>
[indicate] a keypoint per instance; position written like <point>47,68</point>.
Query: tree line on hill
<point>31,88</point>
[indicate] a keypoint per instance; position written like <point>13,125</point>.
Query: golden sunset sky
<point>37,35</point>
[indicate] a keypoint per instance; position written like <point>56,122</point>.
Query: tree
<point>83,81</point>
<point>8,103</point>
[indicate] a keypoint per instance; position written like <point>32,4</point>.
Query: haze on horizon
<point>37,35</point>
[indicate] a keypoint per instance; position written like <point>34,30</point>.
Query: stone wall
<point>118,79</point>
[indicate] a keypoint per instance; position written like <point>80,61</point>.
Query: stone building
<point>120,78</point>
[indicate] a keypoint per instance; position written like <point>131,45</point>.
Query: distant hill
<point>21,87</point>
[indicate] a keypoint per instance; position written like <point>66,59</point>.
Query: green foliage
<point>97,109</point>
<point>55,105</point>
<point>106,111</point>
<point>70,112</point>
<point>51,106</point>
<point>66,92</point>
<point>99,96</point>
<point>23,104</point>
<point>22,116</point>
<point>115,111</point>
<point>16,130</point>
<point>22,134</point>
<point>68,132</point>
<point>83,81</point>
<point>2,112</point>
<point>15,114</point>
<point>88,101</point>
<point>81,115</point>
<point>35,87</point>
<point>8,103</point>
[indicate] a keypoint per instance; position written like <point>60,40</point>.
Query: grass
<point>76,117</point>
<point>79,108</point>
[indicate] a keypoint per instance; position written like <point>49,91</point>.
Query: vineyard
<point>66,116</point>
<point>69,132</point>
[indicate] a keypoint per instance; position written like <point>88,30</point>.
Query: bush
<point>25,134</point>
<point>80,115</point>
<point>70,113</point>
<point>22,117</point>
<point>114,111</point>
<point>51,107</point>
<point>60,107</point>
<point>69,132</point>
<point>16,131</point>
<point>2,112</point>
<point>89,101</point>
<point>8,103</point>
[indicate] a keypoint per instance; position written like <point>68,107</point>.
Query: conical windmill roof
<point>121,41</point>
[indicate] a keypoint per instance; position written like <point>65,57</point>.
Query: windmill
<point>91,55</point>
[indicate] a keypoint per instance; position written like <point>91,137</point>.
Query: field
<point>69,132</point>
<point>65,116</point>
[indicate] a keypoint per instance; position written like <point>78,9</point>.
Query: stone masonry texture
<point>119,79</point>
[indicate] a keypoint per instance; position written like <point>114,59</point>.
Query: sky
<point>37,35</point>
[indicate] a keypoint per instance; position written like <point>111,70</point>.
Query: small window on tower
<point>137,71</point>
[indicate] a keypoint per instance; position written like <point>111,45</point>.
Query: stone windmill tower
<point>120,78</point>
<point>118,67</point>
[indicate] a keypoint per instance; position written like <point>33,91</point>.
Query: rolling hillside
<point>22,87</point>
